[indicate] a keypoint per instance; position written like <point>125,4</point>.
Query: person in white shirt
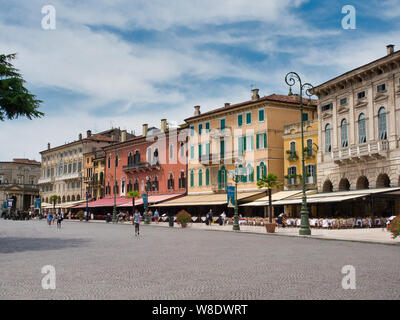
<point>223,216</point>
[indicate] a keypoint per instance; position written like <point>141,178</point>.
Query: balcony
<point>377,150</point>
<point>69,176</point>
<point>219,188</point>
<point>142,166</point>
<point>45,180</point>
<point>218,159</point>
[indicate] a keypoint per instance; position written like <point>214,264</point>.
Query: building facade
<point>19,181</point>
<point>248,135</point>
<point>153,163</point>
<point>359,127</point>
<point>62,168</point>
<point>292,154</point>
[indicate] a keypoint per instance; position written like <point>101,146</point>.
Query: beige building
<point>359,130</point>
<point>62,170</point>
<point>94,174</point>
<point>19,181</point>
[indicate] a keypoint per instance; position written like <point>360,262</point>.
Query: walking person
<point>156,216</point>
<point>136,222</point>
<point>60,218</point>
<point>49,218</point>
<point>223,217</point>
<point>210,217</point>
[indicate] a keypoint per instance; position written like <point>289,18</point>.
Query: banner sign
<point>230,191</point>
<point>10,203</point>
<point>144,196</point>
<point>38,204</point>
<point>5,205</point>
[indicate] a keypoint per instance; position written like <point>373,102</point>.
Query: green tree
<point>270,181</point>
<point>15,99</point>
<point>132,195</point>
<point>53,199</point>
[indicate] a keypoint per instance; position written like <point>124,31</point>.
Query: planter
<point>270,227</point>
<point>183,224</point>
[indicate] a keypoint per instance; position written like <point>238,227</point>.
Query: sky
<point>123,63</point>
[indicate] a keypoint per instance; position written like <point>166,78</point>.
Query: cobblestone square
<point>106,261</point>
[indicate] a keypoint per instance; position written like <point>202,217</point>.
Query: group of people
<point>50,218</point>
<point>210,217</point>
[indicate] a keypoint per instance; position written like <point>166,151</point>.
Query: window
<point>327,107</point>
<point>309,147</point>
<point>343,128</point>
<point>123,186</point>
<point>74,167</point>
<point>200,128</point>
<point>182,150</point>
<point>261,140</point>
<point>191,131</point>
<point>130,160</point>
<point>293,147</point>
<point>311,173</point>
<point>109,162</point>
<point>361,95</point>
<point>248,118</point>
<point>200,177</point>
<point>171,151</point>
<point>328,145</point>
<point>69,168</point>
<point>343,101</point>
<point>222,178</point>
<point>240,120</point>
<point>381,88</point>
<point>182,180</point>
<point>136,185</point>
<point>261,115</point>
<point>382,124</point>
<point>191,152</point>
<point>241,145</point>
<point>116,161</point>
<point>207,177</point>
<point>170,183</point>
<point>362,134</point>
<point>207,127</point>
<point>200,153</point>
<point>305,116</point>
<point>292,175</point>
<point>222,149</point>
<point>136,158</point>
<point>79,166</point>
<point>222,125</point>
<point>261,171</point>
<point>250,173</point>
<point>149,155</point>
<point>192,178</point>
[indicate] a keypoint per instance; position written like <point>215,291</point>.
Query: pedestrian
<point>223,217</point>
<point>156,216</point>
<point>60,218</point>
<point>49,218</point>
<point>210,217</point>
<point>108,218</point>
<point>136,222</point>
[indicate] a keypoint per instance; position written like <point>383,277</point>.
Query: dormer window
<point>381,87</point>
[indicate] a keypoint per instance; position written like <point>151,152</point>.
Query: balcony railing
<point>45,180</point>
<point>375,150</point>
<point>142,166</point>
<point>69,176</point>
<point>219,187</point>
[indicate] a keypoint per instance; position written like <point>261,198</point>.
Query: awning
<point>106,202</point>
<point>338,196</point>
<point>153,199</point>
<point>69,204</point>
<point>208,199</point>
<point>264,201</point>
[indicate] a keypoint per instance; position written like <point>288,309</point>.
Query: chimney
<point>255,94</point>
<point>227,104</point>
<point>163,125</point>
<point>144,129</point>
<point>48,146</point>
<point>80,136</point>
<point>390,49</point>
<point>197,110</point>
<point>123,135</point>
<point>88,133</point>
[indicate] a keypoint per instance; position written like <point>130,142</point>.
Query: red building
<point>154,163</point>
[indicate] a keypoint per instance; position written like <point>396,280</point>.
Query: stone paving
<point>106,261</point>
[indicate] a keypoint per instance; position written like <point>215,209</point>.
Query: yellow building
<point>246,135</point>
<point>292,154</point>
<point>94,174</point>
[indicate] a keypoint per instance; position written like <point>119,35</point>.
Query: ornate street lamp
<point>235,175</point>
<point>146,215</point>
<point>291,78</point>
<point>115,189</point>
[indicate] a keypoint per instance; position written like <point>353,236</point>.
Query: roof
<point>375,62</point>
<point>22,161</point>
<point>293,99</point>
<point>264,201</point>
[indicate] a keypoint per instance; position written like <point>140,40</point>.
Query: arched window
<point>362,133</point>
<point>292,175</point>
<point>171,151</point>
<point>382,124</point>
<point>343,129</point>
<point>182,150</point>
<point>293,147</point>
<point>222,178</point>
<point>116,161</point>
<point>109,162</point>
<point>130,159</point>
<point>309,147</point>
<point>182,180</point>
<point>136,158</point>
<point>136,185</point>
<point>328,144</point>
<point>261,171</point>
<point>171,182</point>
<point>129,186</point>
<point>200,177</point>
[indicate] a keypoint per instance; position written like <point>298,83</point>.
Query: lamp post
<point>235,175</point>
<point>291,78</point>
<point>146,215</point>
<point>87,205</point>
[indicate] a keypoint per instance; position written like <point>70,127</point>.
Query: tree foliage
<point>15,99</point>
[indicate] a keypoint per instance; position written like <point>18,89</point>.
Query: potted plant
<point>394,227</point>
<point>183,217</point>
<point>80,215</point>
<point>270,182</point>
<point>292,155</point>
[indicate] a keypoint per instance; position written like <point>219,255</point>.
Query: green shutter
<point>222,149</point>
<point>207,126</point>
<point>258,173</point>
<point>244,143</point>
<point>207,177</point>
<point>251,173</point>
<point>258,141</point>
<point>208,148</point>
<point>265,140</point>
<point>199,151</point>
<point>251,143</point>
<point>200,178</point>
<point>240,120</point>
<point>191,178</point>
<point>200,128</point>
<point>261,115</point>
<point>219,179</point>
<point>240,146</point>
